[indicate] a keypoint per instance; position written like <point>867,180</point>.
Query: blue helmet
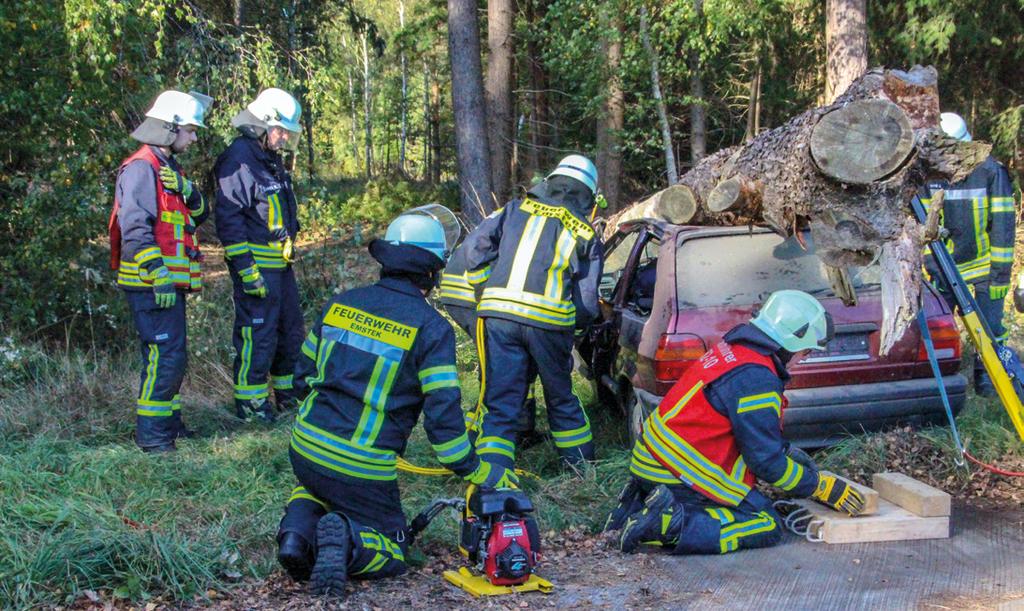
<point>419,230</point>
<point>580,168</point>
<point>954,126</point>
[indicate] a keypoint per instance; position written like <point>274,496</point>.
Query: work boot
<point>646,525</point>
<point>630,500</point>
<point>333,542</point>
<point>296,555</point>
<point>251,409</point>
<point>983,386</point>
<point>286,401</point>
<point>160,449</point>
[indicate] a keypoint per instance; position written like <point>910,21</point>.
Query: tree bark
<point>536,156</point>
<point>354,119</point>
<point>676,204</point>
<point>238,13</point>
<point>881,141</point>
<point>435,131</point>
<point>499,94</point>
<point>754,104</point>
<point>609,125</point>
<point>405,96</point>
<point>427,125</point>
<point>471,142</point>
<point>367,106</point>
<point>846,44</point>
<point>698,118</point>
<point>659,102</point>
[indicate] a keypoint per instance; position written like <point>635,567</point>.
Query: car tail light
<point>945,336</point>
<point>676,352</point>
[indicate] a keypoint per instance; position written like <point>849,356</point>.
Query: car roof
<point>663,228</point>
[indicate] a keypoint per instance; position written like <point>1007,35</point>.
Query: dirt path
<point>980,567</point>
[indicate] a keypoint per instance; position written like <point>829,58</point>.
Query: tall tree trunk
<point>435,131</point>
<point>405,96</point>
<point>353,119</point>
<point>754,104</point>
<point>536,156</point>
<point>498,88</point>
<point>698,118</point>
<point>427,130</point>
<point>666,130</point>
<point>609,125</point>
<point>238,13</point>
<point>367,105</point>
<point>846,43</point>
<point>471,142</point>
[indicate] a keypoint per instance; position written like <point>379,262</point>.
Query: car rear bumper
<point>822,416</point>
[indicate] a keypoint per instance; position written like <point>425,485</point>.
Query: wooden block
<point>870,495</point>
<point>916,497</point>
<point>891,523</point>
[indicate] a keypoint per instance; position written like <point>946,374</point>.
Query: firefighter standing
<point>156,255</point>
<point>979,215</point>
<point>719,430</point>
<point>545,263</point>
<point>379,356</point>
<point>256,217</point>
<point>460,297</point>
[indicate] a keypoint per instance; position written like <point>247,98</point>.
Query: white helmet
<point>795,320</point>
<point>180,108</point>
<point>954,126</point>
<point>277,108</point>
<point>580,168</point>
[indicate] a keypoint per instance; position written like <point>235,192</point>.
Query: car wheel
<point>636,414</point>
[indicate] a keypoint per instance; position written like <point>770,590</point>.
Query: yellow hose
<point>408,467</point>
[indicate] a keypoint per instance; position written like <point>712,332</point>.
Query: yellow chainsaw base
<point>477,585</point>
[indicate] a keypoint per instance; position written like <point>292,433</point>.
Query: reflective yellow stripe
<point>563,252</point>
<point>300,492</point>
<point>681,403</point>
<point>524,253</point>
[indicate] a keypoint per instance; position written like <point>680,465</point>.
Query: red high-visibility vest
<point>695,442</point>
<point>173,232</point>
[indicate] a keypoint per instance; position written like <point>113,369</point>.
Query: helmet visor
<point>447,219</point>
<point>283,139</point>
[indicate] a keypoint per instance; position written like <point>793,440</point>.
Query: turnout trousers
<point>512,355</point>
<point>466,320</point>
<point>268,334</point>
<point>163,345</point>
<point>710,528</point>
<point>373,510</point>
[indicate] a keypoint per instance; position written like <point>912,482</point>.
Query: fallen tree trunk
<point>676,204</point>
<point>846,171</point>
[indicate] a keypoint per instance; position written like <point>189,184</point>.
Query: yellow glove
<point>488,475</point>
<point>252,282</point>
<point>288,250</point>
<point>174,182</point>
<point>998,292</point>
<point>163,287</point>
<point>838,495</point>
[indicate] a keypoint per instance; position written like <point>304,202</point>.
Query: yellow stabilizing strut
<point>979,332</point>
<point>1004,386</point>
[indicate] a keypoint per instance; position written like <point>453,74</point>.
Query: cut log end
<point>677,204</point>
<point>862,142</point>
<point>727,195</point>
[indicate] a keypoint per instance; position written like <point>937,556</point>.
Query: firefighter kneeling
<point>719,430</point>
<point>378,356</point>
